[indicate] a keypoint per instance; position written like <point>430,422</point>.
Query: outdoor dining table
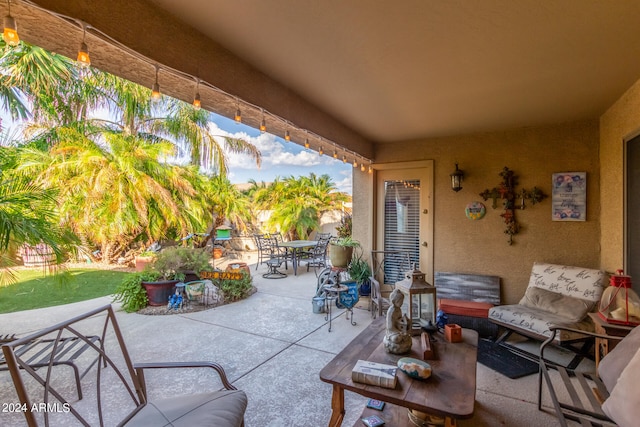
<point>296,246</point>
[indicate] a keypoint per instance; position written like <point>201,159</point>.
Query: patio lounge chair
<point>121,396</point>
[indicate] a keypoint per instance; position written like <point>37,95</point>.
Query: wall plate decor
<point>506,191</point>
<point>569,196</point>
<point>475,210</point>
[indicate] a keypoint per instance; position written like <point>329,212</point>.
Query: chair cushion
<point>577,282</point>
<point>465,308</point>
<point>573,309</point>
<point>537,322</point>
<point>217,409</point>
<point>612,365</point>
<point>623,404</point>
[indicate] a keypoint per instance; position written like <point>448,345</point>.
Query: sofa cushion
<point>616,360</point>
<point>216,409</point>
<point>623,404</point>
<point>577,282</point>
<point>537,322</point>
<point>573,309</point>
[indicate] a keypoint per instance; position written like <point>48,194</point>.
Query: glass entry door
<point>404,217</point>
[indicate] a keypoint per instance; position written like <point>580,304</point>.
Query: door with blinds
<point>404,219</point>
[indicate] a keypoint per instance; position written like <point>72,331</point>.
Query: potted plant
<point>341,251</point>
<point>131,293</point>
<point>170,267</point>
<point>144,259</point>
<point>360,271</point>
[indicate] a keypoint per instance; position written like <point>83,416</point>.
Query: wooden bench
<point>467,298</point>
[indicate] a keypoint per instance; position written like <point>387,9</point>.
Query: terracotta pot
<point>159,292</point>
<point>217,253</point>
<point>340,256</point>
<point>143,261</point>
<point>237,267</point>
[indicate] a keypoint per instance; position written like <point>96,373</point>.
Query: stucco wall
<point>621,120</point>
<point>480,247</point>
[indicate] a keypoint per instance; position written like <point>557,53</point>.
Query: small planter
<point>159,292</point>
<point>143,261</point>
<point>217,252</point>
<point>340,256</point>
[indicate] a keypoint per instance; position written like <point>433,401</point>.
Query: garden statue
<point>397,340</point>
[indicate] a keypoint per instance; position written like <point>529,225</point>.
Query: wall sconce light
<point>456,179</point>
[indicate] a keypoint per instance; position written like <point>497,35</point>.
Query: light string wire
<point>90,30</point>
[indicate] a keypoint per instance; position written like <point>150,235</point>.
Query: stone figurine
<point>397,340</point>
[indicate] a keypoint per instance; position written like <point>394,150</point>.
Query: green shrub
<point>235,290</point>
<point>171,263</point>
<point>131,293</point>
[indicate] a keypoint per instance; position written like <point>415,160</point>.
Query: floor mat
<point>500,359</point>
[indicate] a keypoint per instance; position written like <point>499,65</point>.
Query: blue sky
<point>279,158</point>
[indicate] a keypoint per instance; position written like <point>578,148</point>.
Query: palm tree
<point>297,204</point>
<point>27,216</point>
<point>115,184</point>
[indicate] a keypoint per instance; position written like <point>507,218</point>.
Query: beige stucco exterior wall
<point>480,247</point>
<point>620,121</point>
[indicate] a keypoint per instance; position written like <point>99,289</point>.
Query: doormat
<point>500,359</point>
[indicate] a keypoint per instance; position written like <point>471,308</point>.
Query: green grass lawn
<point>34,289</point>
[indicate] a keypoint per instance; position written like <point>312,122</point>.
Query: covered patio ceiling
<point>361,72</point>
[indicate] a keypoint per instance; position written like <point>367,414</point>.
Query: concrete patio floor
<point>273,347</point>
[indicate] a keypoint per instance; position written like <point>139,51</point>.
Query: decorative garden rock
<point>415,368</point>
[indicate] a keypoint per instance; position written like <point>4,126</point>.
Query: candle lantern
<point>419,300</point>
<point>619,303</point>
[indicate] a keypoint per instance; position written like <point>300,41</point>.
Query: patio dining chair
<point>121,396</point>
<point>277,256</point>
<point>317,256</point>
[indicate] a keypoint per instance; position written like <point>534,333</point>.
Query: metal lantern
<point>419,300</point>
<point>619,303</point>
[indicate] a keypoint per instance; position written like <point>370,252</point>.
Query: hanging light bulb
<point>155,91</point>
<point>83,53</point>
<point>370,168</point>
<point>238,116</point>
<point>335,154</point>
<point>355,164</point>
<point>306,143</point>
<point>196,99</point>
<point>10,33</point>
<point>287,136</point>
<point>320,151</point>
<point>344,159</point>
<point>263,124</point>
<point>362,168</point>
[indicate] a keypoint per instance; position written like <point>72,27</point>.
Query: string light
<point>238,115</point>
<point>196,99</point>
<point>155,91</point>
<point>362,167</point>
<point>10,33</point>
<point>263,124</point>
<point>11,37</point>
<point>83,53</point>
<point>344,159</point>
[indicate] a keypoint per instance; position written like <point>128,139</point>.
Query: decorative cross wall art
<point>506,191</point>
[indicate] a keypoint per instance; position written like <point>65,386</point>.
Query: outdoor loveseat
<point>557,295</point>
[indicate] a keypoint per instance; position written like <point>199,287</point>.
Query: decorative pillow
<point>616,360</point>
<point>577,282</point>
<point>623,405</point>
<point>573,309</point>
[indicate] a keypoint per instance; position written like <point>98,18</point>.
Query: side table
<point>604,346</point>
<point>332,293</point>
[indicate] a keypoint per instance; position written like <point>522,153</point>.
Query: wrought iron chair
<point>317,257</point>
<point>121,395</point>
<point>277,256</point>
<point>264,248</point>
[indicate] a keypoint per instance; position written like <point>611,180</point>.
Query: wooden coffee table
<point>449,393</point>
